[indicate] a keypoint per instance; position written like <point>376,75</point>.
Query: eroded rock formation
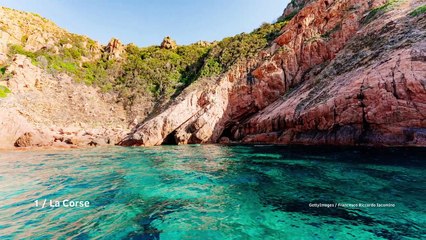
<point>293,8</point>
<point>336,75</point>
<point>45,110</point>
<point>35,33</point>
<point>168,43</point>
<point>114,49</point>
<point>371,92</point>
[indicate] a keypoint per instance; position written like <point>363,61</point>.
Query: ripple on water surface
<point>214,192</point>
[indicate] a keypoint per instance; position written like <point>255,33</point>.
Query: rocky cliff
<point>44,105</point>
<point>54,111</point>
<point>66,90</point>
<point>371,90</point>
<point>340,72</point>
<point>327,72</point>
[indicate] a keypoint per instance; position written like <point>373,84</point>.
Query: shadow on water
<point>411,156</point>
<point>157,211</point>
<point>306,167</point>
<point>352,217</point>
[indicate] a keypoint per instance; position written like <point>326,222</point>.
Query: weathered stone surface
<point>330,78</point>
<point>114,49</point>
<point>344,83</point>
<point>373,92</point>
<point>12,126</point>
<point>384,103</point>
<point>168,43</point>
<point>224,140</point>
<point>56,108</point>
<point>24,74</point>
<point>204,43</point>
<point>206,108</point>
<point>34,33</point>
<point>34,139</point>
<point>25,140</point>
<point>293,8</point>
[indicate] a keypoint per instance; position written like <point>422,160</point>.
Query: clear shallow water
<point>214,192</point>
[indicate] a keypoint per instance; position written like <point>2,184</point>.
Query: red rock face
<point>370,105</point>
<point>201,114</point>
<point>330,78</point>
<point>313,37</point>
<point>114,49</point>
<point>373,92</point>
<point>294,7</point>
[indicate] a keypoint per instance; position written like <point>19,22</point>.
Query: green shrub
<point>151,71</point>
<point>418,11</point>
<point>162,72</point>
<point>18,49</point>
<point>4,27</point>
<point>59,65</point>
<point>24,39</point>
<point>374,13</point>
<point>328,34</point>
<point>67,61</point>
<point>73,53</point>
<point>211,68</point>
<point>4,91</point>
<point>288,17</point>
<point>231,50</point>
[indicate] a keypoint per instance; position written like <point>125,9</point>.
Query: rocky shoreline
<point>52,111</point>
<point>338,73</point>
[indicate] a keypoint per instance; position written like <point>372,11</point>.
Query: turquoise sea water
<point>214,192</point>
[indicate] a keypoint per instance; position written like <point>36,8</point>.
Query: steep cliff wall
<point>370,92</point>
<point>45,105</point>
<point>56,111</point>
<point>341,72</point>
<point>66,90</point>
<point>328,72</point>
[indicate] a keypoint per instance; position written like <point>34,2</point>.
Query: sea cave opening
<point>170,139</point>
<point>228,132</point>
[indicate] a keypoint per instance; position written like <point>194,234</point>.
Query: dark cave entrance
<point>170,139</point>
<point>228,132</point>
